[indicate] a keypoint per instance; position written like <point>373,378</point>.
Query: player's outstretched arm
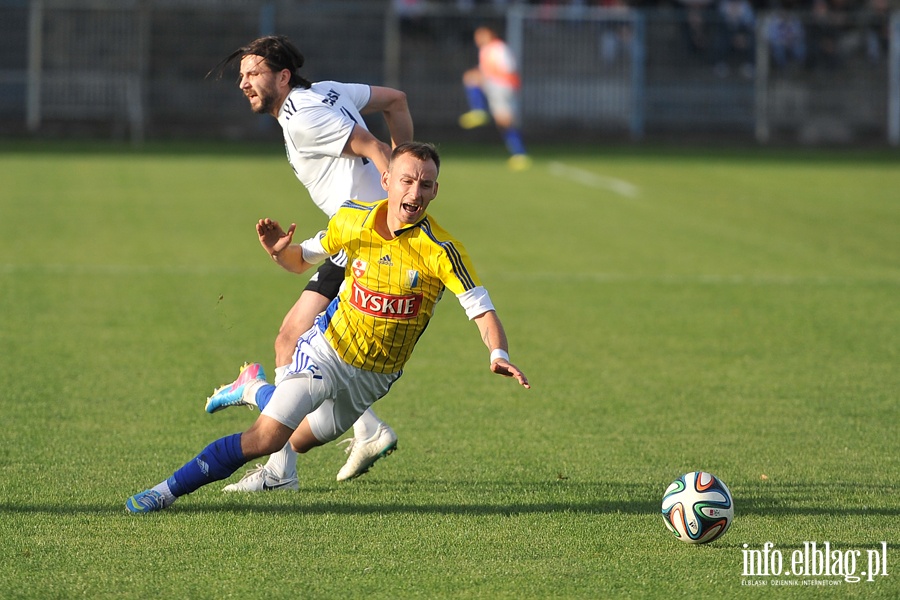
<point>277,243</point>
<point>364,144</point>
<point>392,104</point>
<point>494,337</point>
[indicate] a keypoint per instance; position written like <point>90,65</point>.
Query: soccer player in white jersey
<point>336,158</point>
<point>401,261</point>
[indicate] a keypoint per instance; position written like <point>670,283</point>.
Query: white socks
<point>366,426</point>
<point>168,496</point>
<point>283,464</point>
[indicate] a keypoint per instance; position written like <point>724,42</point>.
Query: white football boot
<point>364,453</point>
<point>260,479</point>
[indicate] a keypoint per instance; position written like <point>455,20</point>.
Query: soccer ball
<point>697,507</point>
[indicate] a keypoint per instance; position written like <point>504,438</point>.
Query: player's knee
<point>303,440</point>
<point>302,446</point>
<point>503,120</point>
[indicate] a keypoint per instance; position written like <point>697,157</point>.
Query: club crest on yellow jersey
<point>359,268</point>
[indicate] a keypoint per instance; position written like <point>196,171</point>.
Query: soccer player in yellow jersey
<point>401,262</point>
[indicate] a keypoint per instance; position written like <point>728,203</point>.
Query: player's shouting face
<point>261,85</point>
<point>411,184</point>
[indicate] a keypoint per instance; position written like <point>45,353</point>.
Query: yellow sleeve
<point>344,226</point>
<point>455,268</point>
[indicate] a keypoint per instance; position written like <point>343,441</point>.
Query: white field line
<point>619,186</point>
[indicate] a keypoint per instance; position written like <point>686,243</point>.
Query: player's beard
<point>266,99</point>
<point>266,103</point>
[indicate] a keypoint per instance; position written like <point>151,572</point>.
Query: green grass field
<point>736,312</point>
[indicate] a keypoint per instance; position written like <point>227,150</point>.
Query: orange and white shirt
<point>497,64</point>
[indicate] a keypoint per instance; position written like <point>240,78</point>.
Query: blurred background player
<point>336,158</point>
<point>492,90</point>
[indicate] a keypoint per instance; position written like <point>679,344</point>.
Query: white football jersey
<point>316,124</point>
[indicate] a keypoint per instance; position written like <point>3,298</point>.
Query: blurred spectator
<point>878,18</point>
<point>615,37</point>
<point>786,38</point>
<point>735,37</point>
<point>696,15</point>
<point>830,19</point>
<point>469,5</point>
<point>410,14</point>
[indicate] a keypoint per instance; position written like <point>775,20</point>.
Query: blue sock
<point>476,97</point>
<point>263,395</point>
<point>217,461</point>
<point>513,140</point>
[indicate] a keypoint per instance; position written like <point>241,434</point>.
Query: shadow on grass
<point>342,508</point>
<point>491,499</point>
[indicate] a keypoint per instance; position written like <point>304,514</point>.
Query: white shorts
<point>321,386</point>
<point>502,99</point>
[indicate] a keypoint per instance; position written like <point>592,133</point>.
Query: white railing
<point>141,66</point>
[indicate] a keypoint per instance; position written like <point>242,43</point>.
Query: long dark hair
<point>277,52</point>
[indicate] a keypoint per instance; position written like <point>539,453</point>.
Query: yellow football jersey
<point>391,286</point>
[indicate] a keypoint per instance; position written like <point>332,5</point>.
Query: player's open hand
<point>272,237</point>
<point>507,369</point>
